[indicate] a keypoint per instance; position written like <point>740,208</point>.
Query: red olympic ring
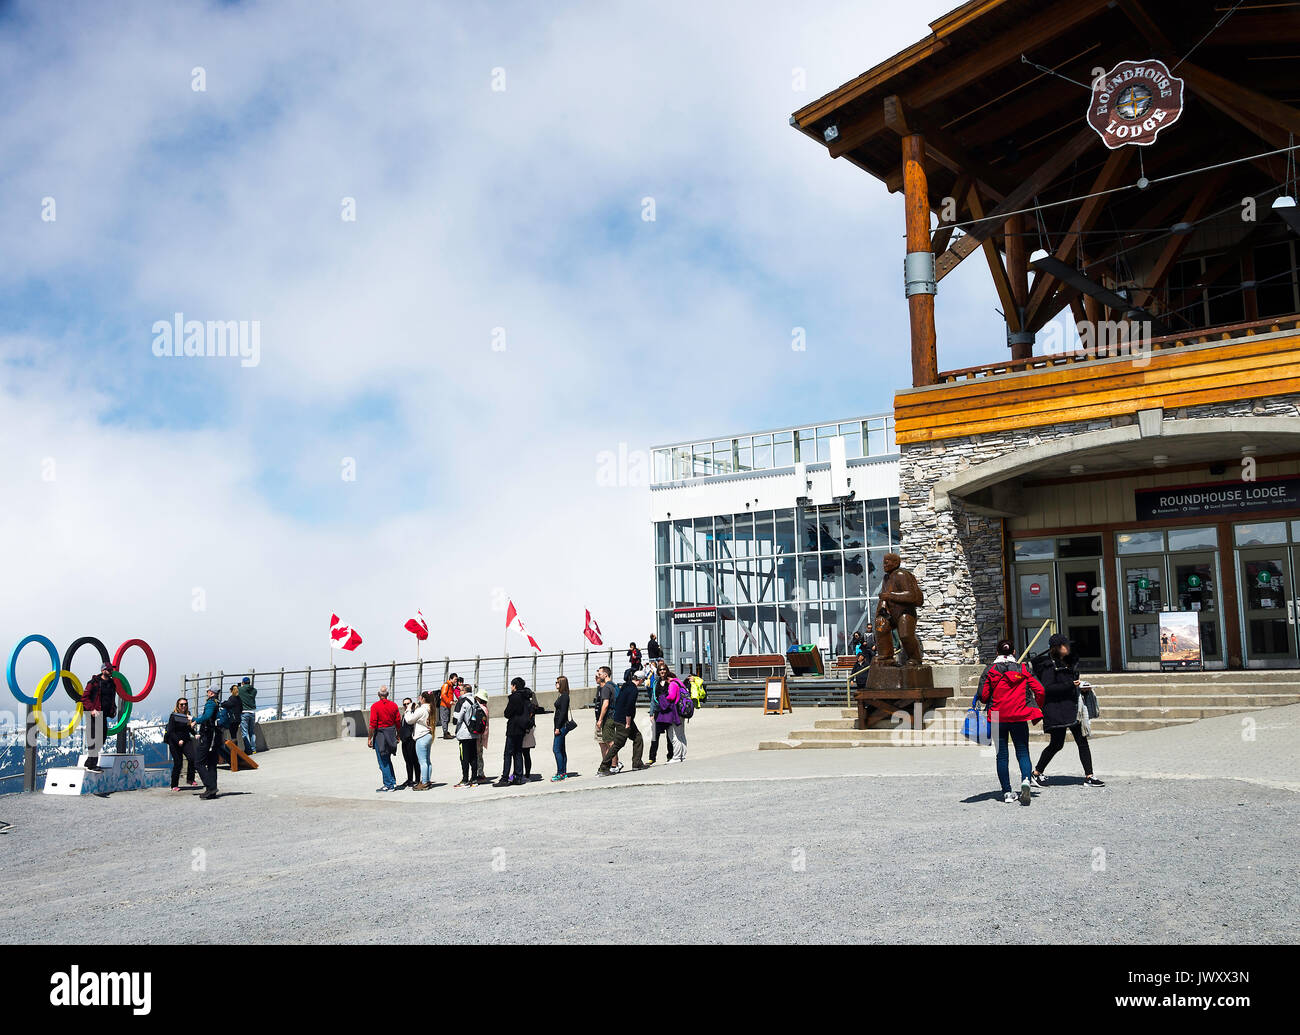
<point>153,669</point>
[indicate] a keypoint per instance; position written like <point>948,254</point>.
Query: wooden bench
<point>755,666</point>
<point>877,707</point>
<point>845,662</point>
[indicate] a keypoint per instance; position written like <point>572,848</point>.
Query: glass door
<point>1084,618</point>
<point>1035,604</point>
<point>1196,583</point>
<point>1143,579</point>
<point>1267,614</point>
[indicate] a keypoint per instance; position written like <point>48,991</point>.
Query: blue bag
<point>976,726</point>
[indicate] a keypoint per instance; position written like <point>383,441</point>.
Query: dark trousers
<point>95,727</point>
<point>412,761</point>
<point>1058,741</point>
<point>207,747</point>
<point>622,734</point>
<point>661,728</point>
<point>207,770</point>
<point>514,752</point>
<point>468,759</point>
<point>179,756</point>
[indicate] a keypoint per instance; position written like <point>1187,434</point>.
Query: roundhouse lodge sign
<point>1134,101</point>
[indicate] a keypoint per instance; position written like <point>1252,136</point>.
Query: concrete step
<point>1192,680</point>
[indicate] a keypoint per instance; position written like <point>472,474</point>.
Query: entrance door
<point>1035,603</point>
<point>1084,618</point>
<point>1143,581</point>
<point>1196,585</point>
<point>1267,614</point>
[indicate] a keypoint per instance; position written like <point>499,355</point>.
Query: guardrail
<point>332,688</point>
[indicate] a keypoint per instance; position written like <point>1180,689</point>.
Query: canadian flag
<point>344,637</point>
<point>514,622</point>
<point>592,631</point>
<point>418,626</point>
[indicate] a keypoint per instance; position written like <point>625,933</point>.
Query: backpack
<point>477,721</point>
<point>685,706</point>
<point>226,719</point>
<point>696,685</point>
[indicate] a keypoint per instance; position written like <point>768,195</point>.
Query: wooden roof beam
<point>1001,281</point>
<point>1084,220</point>
<point>1017,199</point>
<point>943,147</point>
<point>1177,242</point>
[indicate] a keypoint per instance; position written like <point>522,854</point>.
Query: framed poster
<point>1180,640</point>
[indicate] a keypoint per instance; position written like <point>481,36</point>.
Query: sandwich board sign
<point>1180,640</point>
<point>775,698</point>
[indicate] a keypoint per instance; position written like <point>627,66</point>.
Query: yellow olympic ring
<point>43,686</point>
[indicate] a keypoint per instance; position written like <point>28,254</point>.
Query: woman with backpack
<point>561,726</point>
<point>1013,697</point>
<point>669,711</point>
<point>463,717</point>
<point>658,685</point>
<point>1058,670</point>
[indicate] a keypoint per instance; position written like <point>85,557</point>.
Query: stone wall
<point>958,555</point>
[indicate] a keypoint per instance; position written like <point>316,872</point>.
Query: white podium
<point>124,772</point>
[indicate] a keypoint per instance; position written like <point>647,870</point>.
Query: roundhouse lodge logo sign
<point>1133,102</point>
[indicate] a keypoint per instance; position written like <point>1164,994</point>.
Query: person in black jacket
<point>653,651</point>
<point>1058,670</point>
<point>561,731</point>
<point>519,717</point>
<point>179,736</point>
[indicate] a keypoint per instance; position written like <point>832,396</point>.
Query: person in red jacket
<point>1014,699</point>
<point>384,717</point>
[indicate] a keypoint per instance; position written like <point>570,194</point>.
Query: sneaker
<point>619,769</point>
<point>557,778</point>
<point>194,783</point>
<point>641,766</point>
<point>461,784</point>
<point>1038,780</point>
<point>175,788</point>
<point>208,795</point>
<point>1092,781</point>
<point>603,772</point>
<point>502,783</point>
<point>1024,791</point>
<point>1010,797</point>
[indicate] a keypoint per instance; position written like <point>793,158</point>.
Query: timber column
<point>918,266</point>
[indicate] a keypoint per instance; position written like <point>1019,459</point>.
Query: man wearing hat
<point>248,714</point>
<point>481,696</point>
<point>624,724</point>
<point>97,704</point>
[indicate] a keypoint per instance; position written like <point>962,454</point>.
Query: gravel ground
<point>841,859</point>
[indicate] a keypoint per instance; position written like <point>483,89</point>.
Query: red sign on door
<point>1035,588</point>
<point>1081,588</point>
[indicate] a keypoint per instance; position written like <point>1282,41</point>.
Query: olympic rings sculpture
<point>62,670</point>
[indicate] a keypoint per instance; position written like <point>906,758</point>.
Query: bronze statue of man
<point>900,596</point>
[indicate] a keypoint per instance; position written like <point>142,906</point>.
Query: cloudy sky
<point>437,378</point>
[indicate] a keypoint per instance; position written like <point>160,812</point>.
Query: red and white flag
<point>514,622</point>
<point>418,626</point>
<point>592,631</point>
<point>344,637</point>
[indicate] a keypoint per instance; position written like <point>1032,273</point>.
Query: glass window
<point>661,542</point>
<point>1079,546</point>
<point>853,526</point>
<point>1144,589</point>
<point>832,576</point>
<point>830,530</point>
<point>809,579</point>
<point>1033,549</point>
<point>1140,542</point>
<point>1193,539</point>
<point>745,619</point>
<point>663,466</point>
<point>787,579</point>
<point>875,571</point>
<point>805,449</point>
<point>858,617</point>
<point>763,532</point>
<point>824,436</point>
<point>783,449</point>
<point>785,541</point>
<point>682,550</point>
<point>703,463</point>
<point>762,452</point>
<point>704,538</point>
<point>889,435</point>
<point>895,529</point>
<point>852,439</point>
<point>1263,534</point>
<point>724,460</point>
<point>726,586</point>
<point>722,536</point>
<point>681,462</point>
<point>704,584</point>
<point>876,442</point>
<point>745,582</point>
<point>766,581</point>
<point>663,596</point>
<point>787,619</point>
<point>878,523</point>
<point>744,454</point>
<point>683,585</point>
<point>856,580</point>
<point>807,530</point>
<point>742,529</point>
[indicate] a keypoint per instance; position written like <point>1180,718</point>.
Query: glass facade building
<point>805,572</point>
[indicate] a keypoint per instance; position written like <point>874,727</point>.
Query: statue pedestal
<point>900,677</point>
<point>125,772</point>
<point>897,688</point>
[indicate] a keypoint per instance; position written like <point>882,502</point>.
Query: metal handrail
<point>1052,623</point>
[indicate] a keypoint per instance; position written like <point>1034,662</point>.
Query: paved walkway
<point>1193,840</point>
